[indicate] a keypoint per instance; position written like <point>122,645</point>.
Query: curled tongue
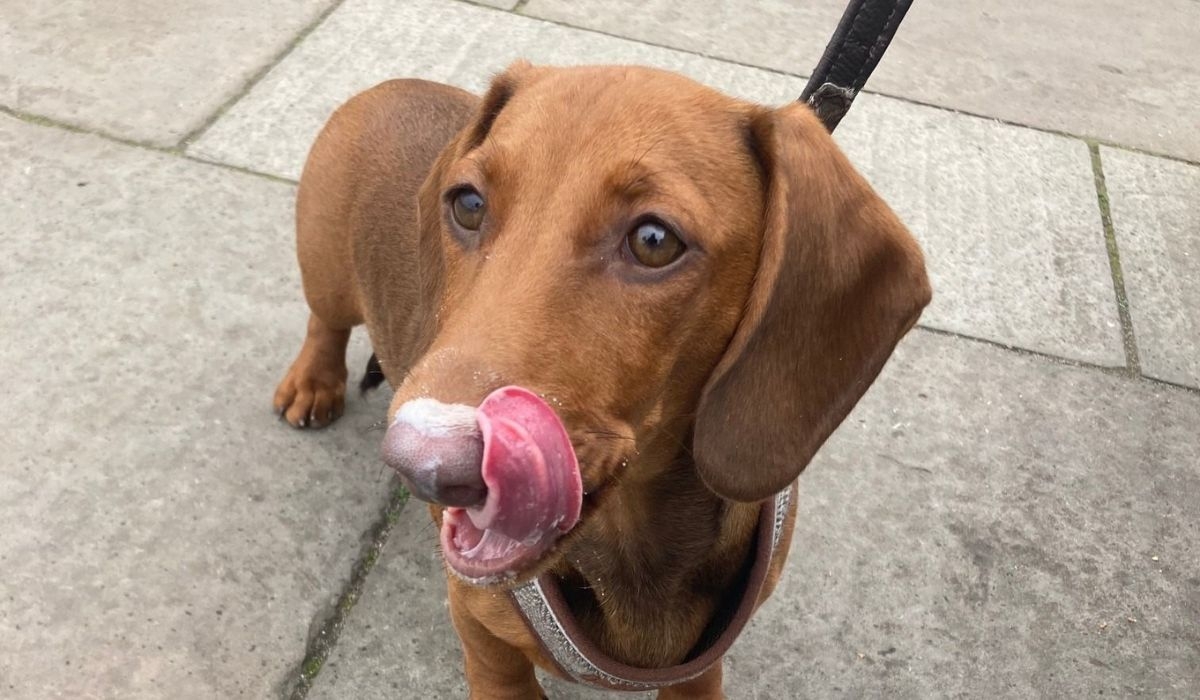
<point>529,467</point>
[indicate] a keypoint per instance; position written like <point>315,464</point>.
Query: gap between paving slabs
<point>329,629</point>
<point>181,146</point>
<point>1114,261</point>
<point>267,66</point>
<point>39,120</point>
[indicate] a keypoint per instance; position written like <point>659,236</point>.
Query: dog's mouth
<point>534,491</point>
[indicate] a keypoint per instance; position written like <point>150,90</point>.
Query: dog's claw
<point>309,398</point>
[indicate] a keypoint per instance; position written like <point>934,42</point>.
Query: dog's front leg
<point>706,686</point>
<point>495,669</point>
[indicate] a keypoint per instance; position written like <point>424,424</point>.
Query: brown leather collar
<point>548,617</point>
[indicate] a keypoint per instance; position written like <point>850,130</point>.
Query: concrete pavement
<point>1011,511</point>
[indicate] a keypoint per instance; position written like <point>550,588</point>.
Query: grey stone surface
<point>993,525</point>
<point>146,71</point>
<point>1114,70</point>
<point>164,535</point>
<point>1155,207</point>
<point>985,524</point>
<point>1008,216</point>
<point>398,641</point>
<point>1009,221</point>
<point>365,42</point>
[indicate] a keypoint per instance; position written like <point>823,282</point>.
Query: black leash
<point>861,37</point>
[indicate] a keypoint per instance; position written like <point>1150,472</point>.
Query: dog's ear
<point>839,282</point>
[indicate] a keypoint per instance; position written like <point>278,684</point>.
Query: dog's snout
<point>438,451</point>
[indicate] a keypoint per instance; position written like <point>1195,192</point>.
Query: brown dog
<point>696,291</point>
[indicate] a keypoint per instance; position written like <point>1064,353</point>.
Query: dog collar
<point>545,611</point>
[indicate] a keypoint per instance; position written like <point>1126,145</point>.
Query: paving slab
<point>145,71</point>
<point>165,536</point>
<point>1109,69</point>
<point>984,524</point>
<point>365,42</point>
<point>1008,216</point>
<point>1009,220</point>
<point>1155,206</point>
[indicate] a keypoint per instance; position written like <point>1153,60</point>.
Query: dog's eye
<point>467,207</point>
<point>654,245</point>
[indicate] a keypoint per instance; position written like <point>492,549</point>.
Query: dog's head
<point>656,272</point>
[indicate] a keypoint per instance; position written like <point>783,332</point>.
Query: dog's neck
<point>645,579</point>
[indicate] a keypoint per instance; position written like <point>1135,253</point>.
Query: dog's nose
<point>438,451</point>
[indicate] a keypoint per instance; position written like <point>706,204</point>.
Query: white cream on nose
<point>435,419</point>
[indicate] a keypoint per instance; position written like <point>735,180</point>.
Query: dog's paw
<point>312,394</point>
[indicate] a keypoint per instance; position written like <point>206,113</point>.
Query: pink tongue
<point>529,467</point>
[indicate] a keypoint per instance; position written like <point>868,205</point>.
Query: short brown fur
<point>690,393</point>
